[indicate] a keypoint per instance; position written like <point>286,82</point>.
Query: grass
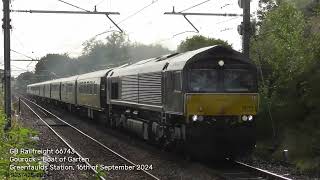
<point>17,137</point>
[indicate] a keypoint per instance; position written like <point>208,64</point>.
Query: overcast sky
<point>36,35</point>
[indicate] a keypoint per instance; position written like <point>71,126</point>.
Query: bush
<point>17,137</point>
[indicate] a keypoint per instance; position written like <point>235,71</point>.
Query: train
<point>203,102</point>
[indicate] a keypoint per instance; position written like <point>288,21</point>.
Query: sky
<point>36,35</point>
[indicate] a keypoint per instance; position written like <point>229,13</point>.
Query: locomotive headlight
<point>244,118</point>
<point>221,63</point>
<point>194,118</point>
<point>197,118</point>
<point>250,117</point>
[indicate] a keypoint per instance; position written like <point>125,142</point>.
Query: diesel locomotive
<point>202,101</point>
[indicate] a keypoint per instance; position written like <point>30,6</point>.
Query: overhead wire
<point>73,5</point>
<point>195,5</point>
<point>225,5</point>
<point>226,29</point>
<point>16,67</point>
<point>228,20</point>
<point>175,35</point>
<point>22,54</point>
<point>137,12</point>
<point>99,2</point>
<point>16,37</point>
<point>126,18</point>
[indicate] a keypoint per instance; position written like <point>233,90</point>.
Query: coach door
<point>103,87</point>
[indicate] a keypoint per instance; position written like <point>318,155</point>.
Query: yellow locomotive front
<point>221,103</point>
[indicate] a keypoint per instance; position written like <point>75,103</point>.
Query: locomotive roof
<point>176,61</point>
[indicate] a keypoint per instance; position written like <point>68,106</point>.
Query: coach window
<point>91,89</point>
<point>177,81</point>
<point>114,90</point>
<point>82,88</point>
<point>87,88</point>
<point>69,88</point>
<point>95,88</point>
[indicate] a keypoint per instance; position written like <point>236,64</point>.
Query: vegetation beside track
<point>17,137</point>
<point>287,48</point>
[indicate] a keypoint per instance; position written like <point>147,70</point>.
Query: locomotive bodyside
<point>158,99</point>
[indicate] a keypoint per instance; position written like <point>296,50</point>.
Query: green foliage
<point>17,137</point>
<point>115,51</point>
<point>288,54</point>
<point>199,41</point>
<point>280,48</point>
<point>54,66</point>
<point>23,80</point>
<point>100,55</point>
<point>101,173</point>
<point>140,51</point>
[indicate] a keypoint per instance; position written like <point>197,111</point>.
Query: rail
<point>78,130</point>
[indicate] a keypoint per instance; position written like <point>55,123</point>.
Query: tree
<point>54,66</point>
<point>199,41</point>
<point>23,80</point>
<point>140,51</point>
<point>99,54</point>
<point>288,54</point>
<point>280,47</point>
<point>114,51</point>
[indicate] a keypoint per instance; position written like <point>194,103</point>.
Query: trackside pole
<point>7,73</point>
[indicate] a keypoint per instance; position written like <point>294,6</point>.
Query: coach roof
<point>72,78</point>
<point>95,74</point>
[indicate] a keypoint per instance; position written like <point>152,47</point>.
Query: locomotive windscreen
<point>222,80</point>
<point>205,80</point>
<point>238,80</point>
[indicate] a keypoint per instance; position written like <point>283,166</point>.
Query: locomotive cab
<point>221,102</point>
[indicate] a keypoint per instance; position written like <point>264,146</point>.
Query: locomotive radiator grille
<point>142,88</point>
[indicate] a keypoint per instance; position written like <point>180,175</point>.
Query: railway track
<point>107,157</point>
<point>236,170</point>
